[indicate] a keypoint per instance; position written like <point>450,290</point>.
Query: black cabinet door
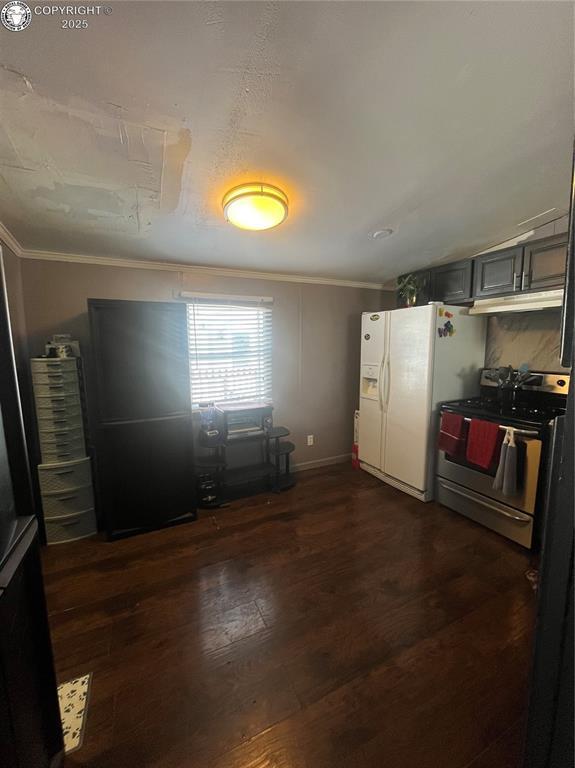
<point>498,273</point>
<point>146,471</point>
<point>143,414</point>
<point>544,264</point>
<point>452,283</point>
<point>141,359</point>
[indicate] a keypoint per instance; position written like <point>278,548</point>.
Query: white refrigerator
<point>411,360</point>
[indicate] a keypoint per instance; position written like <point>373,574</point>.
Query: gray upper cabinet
<point>452,283</point>
<point>544,264</point>
<point>498,273</point>
<point>538,265</point>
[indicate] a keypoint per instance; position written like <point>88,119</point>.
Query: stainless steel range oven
<point>469,489</point>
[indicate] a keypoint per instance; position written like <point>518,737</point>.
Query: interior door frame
<point>552,657</point>
<point>12,416</point>
<point>549,739</point>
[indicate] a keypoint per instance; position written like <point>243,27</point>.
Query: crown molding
<point>172,266</point>
<point>189,269</point>
<point>8,239</point>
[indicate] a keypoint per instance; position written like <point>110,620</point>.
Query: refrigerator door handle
<point>387,382</point>
<point>380,382</point>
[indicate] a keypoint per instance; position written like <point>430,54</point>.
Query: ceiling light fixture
<point>255,206</point>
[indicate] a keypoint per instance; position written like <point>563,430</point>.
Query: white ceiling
<point>449,122</point>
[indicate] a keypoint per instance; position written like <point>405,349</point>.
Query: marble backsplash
<point>524,337</point>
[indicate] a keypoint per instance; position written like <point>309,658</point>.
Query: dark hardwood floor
<point>342,623</point>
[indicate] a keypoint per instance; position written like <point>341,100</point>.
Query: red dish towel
<point>482,441</point>
<point>451,436</point>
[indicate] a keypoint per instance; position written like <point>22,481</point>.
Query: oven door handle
<point>518,517</point>
<point>516,430</point>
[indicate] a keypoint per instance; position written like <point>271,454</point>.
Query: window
<point>230,351</point>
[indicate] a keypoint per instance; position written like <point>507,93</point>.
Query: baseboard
<point>316,463</point>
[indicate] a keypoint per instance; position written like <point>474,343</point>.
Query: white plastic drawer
<point>53,377</point>
<point>53,454</point>
<point>54,364</point>
<point>61,436</point>
<point>65,503</point>
<point>64,476</point>
<point>76,526</point>
<point>58,404</point>
<point>58,422</point>
<point>58,388</point>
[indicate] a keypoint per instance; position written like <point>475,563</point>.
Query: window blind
<point>230,351</point>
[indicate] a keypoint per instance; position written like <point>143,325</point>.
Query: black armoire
<point>141,408</point>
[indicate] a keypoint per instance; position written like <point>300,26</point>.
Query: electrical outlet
<point>310,439</point>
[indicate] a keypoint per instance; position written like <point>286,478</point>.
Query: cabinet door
<point>146,475</point>
<point>544,264</point>
<point>498,273</point>
<point>141,355</point>
<point>451,283</point>
<point>143,414</point>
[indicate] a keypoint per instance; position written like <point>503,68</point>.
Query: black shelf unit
<point>282,449</point>
<point>249,474</point>
<point>218,482</point>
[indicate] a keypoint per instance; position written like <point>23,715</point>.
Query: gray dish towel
<point>506,475</point>
<point>498,482</point>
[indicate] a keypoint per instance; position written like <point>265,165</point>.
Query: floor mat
<point>73,697</point>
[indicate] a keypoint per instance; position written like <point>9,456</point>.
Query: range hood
<point>524,302</point>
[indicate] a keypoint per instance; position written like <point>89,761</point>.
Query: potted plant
<point>407,288</point>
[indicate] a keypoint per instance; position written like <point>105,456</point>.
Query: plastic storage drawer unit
<point>79,525</point>
<point>56,421</point>
<point>65,475</point>
<point>63,503</point>
<point>52,365</point>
